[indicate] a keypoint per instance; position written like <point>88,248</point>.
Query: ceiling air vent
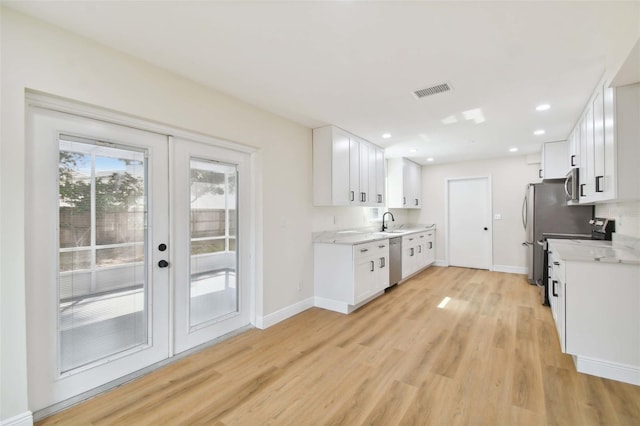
<point>433,90</point>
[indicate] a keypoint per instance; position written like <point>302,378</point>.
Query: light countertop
<point>594,251</point>
<point>361,236</point>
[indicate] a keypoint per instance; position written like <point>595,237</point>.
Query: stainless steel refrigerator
<point>545,210</point>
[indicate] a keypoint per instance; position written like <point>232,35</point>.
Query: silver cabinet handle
<point>372,265</point>
<point>353,195</point>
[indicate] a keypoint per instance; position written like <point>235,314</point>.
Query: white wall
<point>40,57</point>
<point>626,215</point>
<point>509,177</point>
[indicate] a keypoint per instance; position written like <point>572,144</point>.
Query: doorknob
<point>162,247</point>
<point>486,229</point>
<point>163,263</point>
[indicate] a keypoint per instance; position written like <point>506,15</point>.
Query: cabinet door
<point>339,169</point>
<point>382,273</point>
<point>589,175</point>
<point>372,197</point>
<point>364,272</point>
<point>609,151</point>
<point>554,160</point>
<point>411,185</point>
<point>364,172</point>
<point>354,171</point>
<point>574,149</point>
<point>379,162</point>
<point>431,249</point>
<point>598,143</point>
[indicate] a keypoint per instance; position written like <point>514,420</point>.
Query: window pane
<point>75,199</point>
<point>102,291</point>
<point>207,246</point>
<point>213,291</point>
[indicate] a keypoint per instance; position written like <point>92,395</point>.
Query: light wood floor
<point>490,357</point>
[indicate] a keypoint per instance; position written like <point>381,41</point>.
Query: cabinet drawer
<point>372,249</point>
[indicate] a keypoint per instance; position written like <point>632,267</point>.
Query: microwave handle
<point>566,189</point>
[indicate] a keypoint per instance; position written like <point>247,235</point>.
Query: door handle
<point>430,245</point>
<point>540,173</point>
<point>419,249</point>
<point>382,262</point>
<point>416,201</point>
<point>553,288</point>
<point>411,252</point>
<point>486,229</point>
<point>572,158</point>
<point>353,195</point>
<point>372,265</point>
<point>163,263</point>
<point>404,200</point>
<point>162,247</point>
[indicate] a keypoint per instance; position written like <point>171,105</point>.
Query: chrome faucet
<point>383,225</point>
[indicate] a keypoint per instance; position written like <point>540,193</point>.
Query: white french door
<point>211,297</point>
<point>96,296</point>
<point>133,241</point>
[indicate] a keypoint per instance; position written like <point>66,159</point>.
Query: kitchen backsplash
<point>340,218</point>
<point>626,215</point>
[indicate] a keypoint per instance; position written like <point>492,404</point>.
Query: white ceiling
<point>355,63</point>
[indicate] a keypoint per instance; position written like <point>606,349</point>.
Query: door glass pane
<point>213,292</point>
<point>103,246</point>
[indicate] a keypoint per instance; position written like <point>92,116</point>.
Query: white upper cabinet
<point>554,164</point>
<point>605,145</point>
<point>346,169</point>
<point>404,183</point>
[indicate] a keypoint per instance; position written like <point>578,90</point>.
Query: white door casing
<point>469,225</point>
<point>47,118</point>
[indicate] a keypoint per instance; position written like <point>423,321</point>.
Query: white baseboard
<point>440,262</point>
<point>610,370</point>
<point>331,305</point>
<point>284,313</point>
<point>24,419</point>
<point>522,270</point>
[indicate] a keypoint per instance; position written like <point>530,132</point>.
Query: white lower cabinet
<point>595,307</point>
<point>417,252</point>
<point>346,276</point>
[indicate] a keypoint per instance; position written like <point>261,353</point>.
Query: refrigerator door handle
<point>525,208</point>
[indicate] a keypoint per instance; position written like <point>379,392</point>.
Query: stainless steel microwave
<point>572,185</point>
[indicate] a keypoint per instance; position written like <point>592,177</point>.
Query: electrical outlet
<point>497,216</point>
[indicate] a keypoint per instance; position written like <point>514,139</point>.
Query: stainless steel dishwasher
<point>395,260</point>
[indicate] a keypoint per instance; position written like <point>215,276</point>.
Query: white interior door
<point>469,222</point>
<point>97,296</point>
<point>211,187</point>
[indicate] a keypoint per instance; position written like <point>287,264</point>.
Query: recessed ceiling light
<point>413,150</point>
<point>386,135</point>
<point>513,149</point>
<point>539,132</point>
<point>543,107</point>
<point>430,159</point>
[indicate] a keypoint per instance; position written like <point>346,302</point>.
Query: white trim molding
<point>522,270</point>
<point>441,262</point>
<point>609,370</point>
<point>267,321</point>
<point>23,419</point>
